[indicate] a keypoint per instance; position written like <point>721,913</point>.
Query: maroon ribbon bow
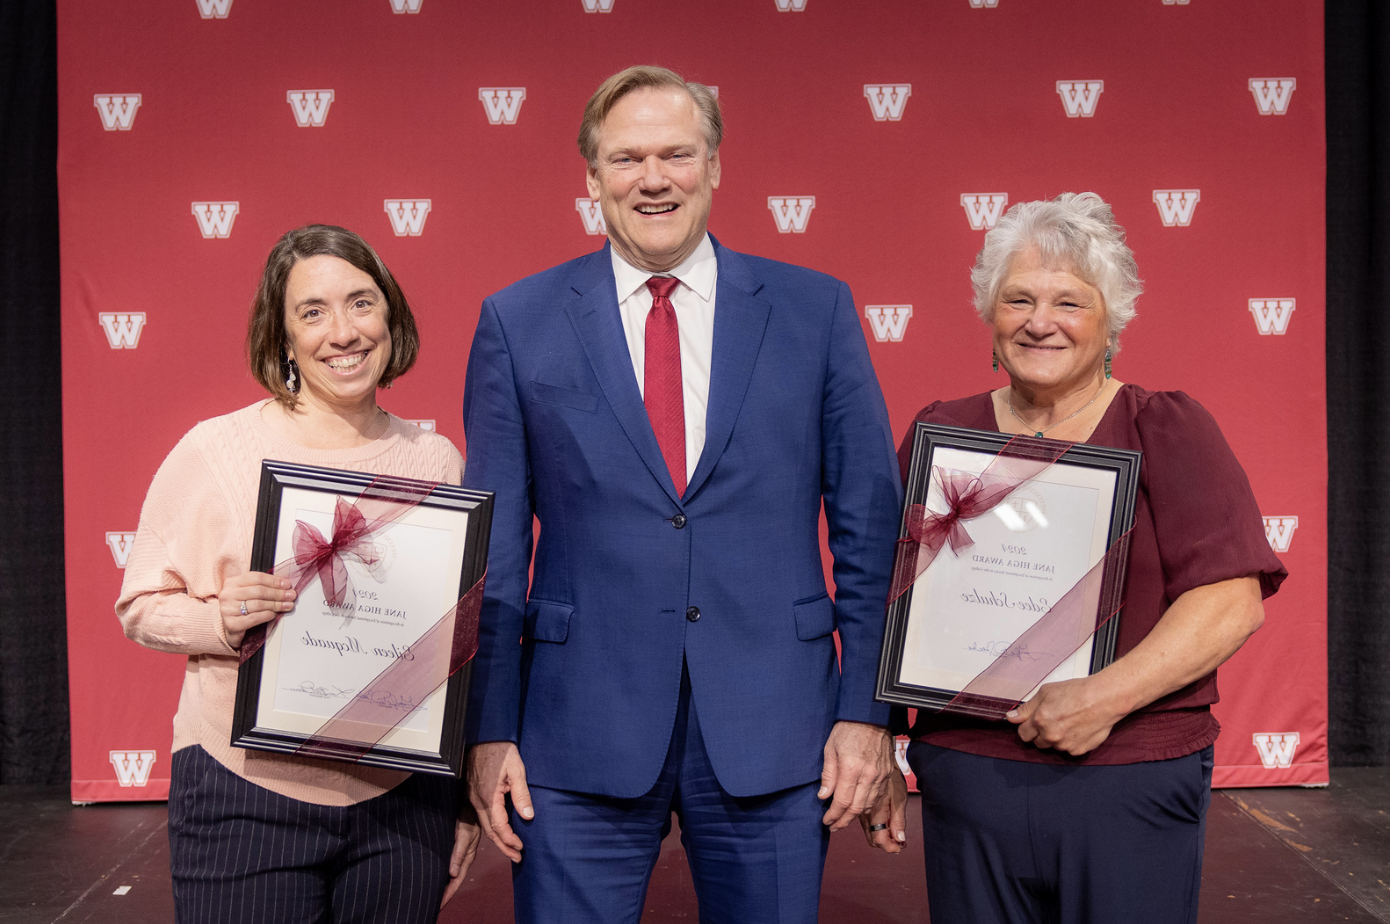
<point>315,556</point>
<point>967,496</point>
<point>355,525</point>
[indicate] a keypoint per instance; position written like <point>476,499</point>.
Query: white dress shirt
<point>694,304</point>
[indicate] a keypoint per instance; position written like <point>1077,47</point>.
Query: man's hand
<point>495,770</point>
<point>891,811</point>
<point>466,837</point>
<point>1072,716</point>
<point>858,762</point>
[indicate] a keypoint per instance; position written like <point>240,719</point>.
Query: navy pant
<point>1014,842</point>
<point>241,853</point>
<point>756,860</point>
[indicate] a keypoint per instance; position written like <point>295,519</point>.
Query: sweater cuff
<point>202,627</point>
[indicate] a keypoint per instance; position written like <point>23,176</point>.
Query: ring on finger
<point>243,608</point>
<point>879,827</point>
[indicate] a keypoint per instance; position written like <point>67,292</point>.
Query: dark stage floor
<point>1273,856</point>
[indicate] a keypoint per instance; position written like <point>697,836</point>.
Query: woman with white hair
<point>1089,804</point>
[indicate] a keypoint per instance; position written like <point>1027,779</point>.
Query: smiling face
<point>1049,326</point>
<point>654,177</point>
<point>336,331</point>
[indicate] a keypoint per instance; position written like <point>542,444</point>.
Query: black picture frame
<point>929,439</point>
<point>473,511</point>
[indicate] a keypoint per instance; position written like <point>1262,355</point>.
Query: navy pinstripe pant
<point>241,853</point>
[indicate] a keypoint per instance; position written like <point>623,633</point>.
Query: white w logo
<point>1272,314</point>
<point>215,218</point>
<point>1272,94</point>
<point>1079,96</point>
<point>1279,532</point>
<point>503,104</point>
<point>120,546</point>
<point>889,322</point>
<point>117,110</point>
<point>122,328</point>
<point>407,215</point>
<point>791,6</point>
<point>598,6</point>
<point>791,212</point>
<point>132,767</point>
<point>310,106</point>
<point>983,209</point>
<point>1175,206</point>
<point>406,6</point>
<point>986,4</point>
<point>1276,749</point>
<point>592,214</point>
<point>213,9</point>
<point>887,100</point>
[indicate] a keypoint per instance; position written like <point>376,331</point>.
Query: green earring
<point>1107,362</point>
<point>995,357</point>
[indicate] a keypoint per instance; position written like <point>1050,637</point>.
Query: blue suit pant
<point>754,860</point>
<point>1011,842</point>
<point>241,853</point>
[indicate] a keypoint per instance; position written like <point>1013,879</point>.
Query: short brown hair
<point>265,334</point>
<point>641,77</point>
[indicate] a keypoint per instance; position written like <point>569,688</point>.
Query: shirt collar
<point>697,272</point>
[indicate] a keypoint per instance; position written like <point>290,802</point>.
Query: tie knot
<point>662,286</point>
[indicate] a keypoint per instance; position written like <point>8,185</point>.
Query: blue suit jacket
<point>556,427</point>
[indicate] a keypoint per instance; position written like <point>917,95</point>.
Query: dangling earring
<point>291,385</point>
<point>1107,362</point>
<point>995,357</point>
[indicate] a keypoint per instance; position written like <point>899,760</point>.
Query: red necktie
<point>661,385</point>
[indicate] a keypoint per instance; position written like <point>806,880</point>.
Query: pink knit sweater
<point>196,531</point>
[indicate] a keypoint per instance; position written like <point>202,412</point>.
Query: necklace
<point>1010,402</point>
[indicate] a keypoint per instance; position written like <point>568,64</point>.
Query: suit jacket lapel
<point>740,320</point>
<point>599,326</point>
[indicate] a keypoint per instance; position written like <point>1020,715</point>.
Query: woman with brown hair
<point>257,836</point>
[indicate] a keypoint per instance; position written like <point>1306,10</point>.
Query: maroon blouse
<point>1195,523</point>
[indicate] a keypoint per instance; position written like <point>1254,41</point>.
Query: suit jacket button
<point>693,614</point>
<point>678,521</point>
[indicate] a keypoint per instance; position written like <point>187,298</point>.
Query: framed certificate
<point>399,587</point>
<point>978,604</point>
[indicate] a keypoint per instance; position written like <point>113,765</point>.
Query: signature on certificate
<point>318,692</point>
<point>385,699</point>
<point>1003,650</point>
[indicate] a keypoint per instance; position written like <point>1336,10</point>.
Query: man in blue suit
<point>674,414</point>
